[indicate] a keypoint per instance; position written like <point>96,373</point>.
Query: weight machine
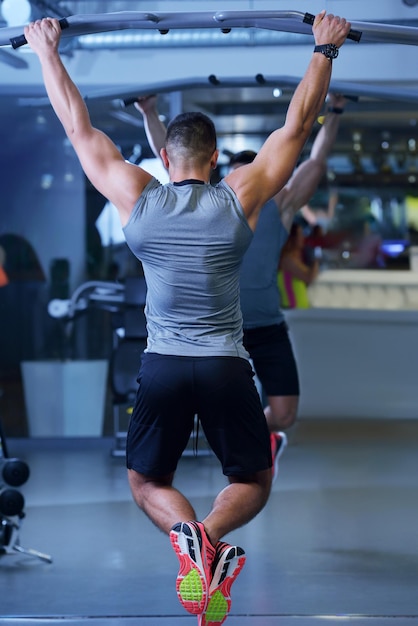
<point>126,302</point>
<point>13,473</point>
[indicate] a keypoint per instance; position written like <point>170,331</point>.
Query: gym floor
<point>337,542</point>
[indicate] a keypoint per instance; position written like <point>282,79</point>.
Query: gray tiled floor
<point>337,543</point>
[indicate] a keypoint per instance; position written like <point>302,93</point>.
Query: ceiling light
<point>46,181</point>
<point>16,12</point>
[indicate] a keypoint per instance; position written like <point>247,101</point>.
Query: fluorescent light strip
<point>196,37</point>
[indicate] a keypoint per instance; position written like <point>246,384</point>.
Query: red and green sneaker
<point>196,555</point>
<point>228,563</point>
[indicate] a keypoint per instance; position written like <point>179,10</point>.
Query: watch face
<point>331,51</point>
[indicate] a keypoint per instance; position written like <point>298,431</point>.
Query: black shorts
<point>274,362</point>
<point>220,390</point>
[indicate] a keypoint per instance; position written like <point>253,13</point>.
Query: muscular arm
<point>155,130</point>
<point>306,178</point>
<point>259,181</point>
<point>119,181</point>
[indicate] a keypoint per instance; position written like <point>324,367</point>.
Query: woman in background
<point>294,274</point>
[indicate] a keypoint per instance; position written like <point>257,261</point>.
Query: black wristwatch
<point>329,50</point>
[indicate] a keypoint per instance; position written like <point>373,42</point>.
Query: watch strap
<point>329,50</point>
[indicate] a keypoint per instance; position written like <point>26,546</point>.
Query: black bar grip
<point>355,35</point>
<point>128,101</point>
<point>213,80</point>
<point>20,40</point>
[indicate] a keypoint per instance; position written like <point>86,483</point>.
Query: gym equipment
<point>126,301</point>
<point>13,60</point>
<point>14,473</point>
<point>11,502</point>
<point>106,294</point>
<point>130,341</point>
<point>288,21</point>
<point>285,21</point>
<point>351,90</point>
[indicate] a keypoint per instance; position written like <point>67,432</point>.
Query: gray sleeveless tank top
<point>190,238</point>
<point>260,298</point>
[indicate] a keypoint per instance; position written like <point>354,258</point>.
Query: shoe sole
<point>230,564</point>
<point>191,583</point>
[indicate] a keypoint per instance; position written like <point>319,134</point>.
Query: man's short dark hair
<point>243,158</point>
<point>191,135</point>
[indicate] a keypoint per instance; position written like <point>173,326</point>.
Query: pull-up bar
<point>350,90</point>
<point>287,21</point>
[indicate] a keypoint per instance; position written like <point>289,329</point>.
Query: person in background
<point>190,237</point>
<point>367,253</point>
<point>295,275</point>
<point>322,217</point>
<point>20,261</point>
<point>265,331</point>
<point>3,276</point>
